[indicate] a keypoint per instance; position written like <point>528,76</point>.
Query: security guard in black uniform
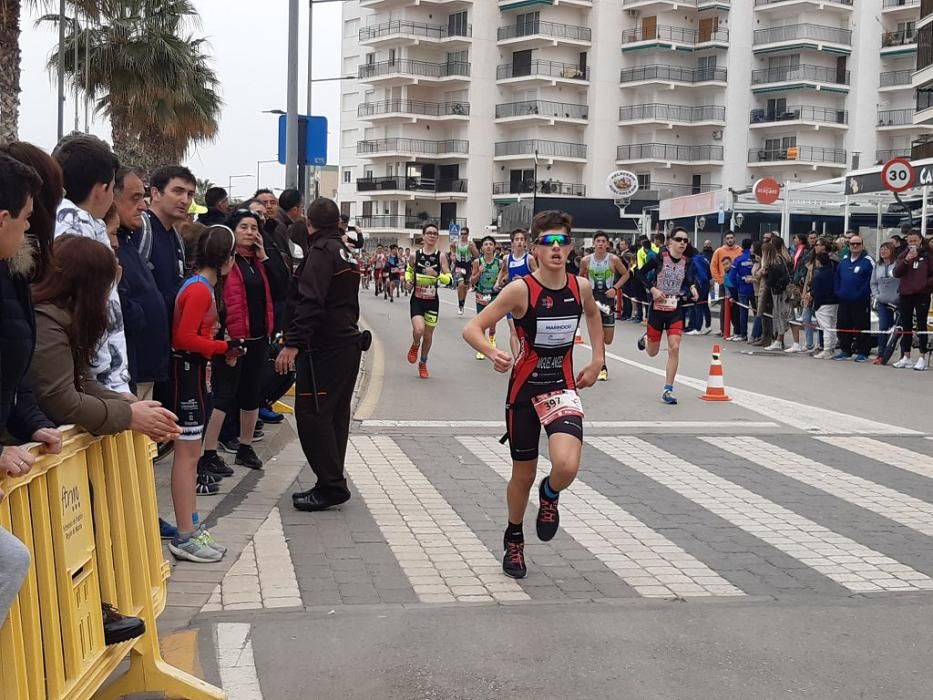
<point>323,344</point>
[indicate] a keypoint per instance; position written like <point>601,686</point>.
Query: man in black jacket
<point>323,343</point>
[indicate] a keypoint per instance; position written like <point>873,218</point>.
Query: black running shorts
<point>426,308</point>
<point>187,393</point>
<point>524,430</point>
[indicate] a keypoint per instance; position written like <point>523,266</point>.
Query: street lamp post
<point>258,164</point>
<point>291,125</point>
<point>230,182</point>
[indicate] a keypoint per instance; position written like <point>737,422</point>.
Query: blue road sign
<point>453,229</point>
<point>721,219</point>
<point>312,140</point>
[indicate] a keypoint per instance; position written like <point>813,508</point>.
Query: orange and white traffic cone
<point>715,385</point>
<point>578,337</point>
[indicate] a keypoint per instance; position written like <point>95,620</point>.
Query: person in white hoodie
<point>88,169</point>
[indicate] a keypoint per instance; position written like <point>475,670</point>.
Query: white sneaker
<point>902,363</point>
<point>776,345</point>
<point>707,330</point>
<point>823,355</point>
<point>921,365</point>
<point>693,332</point>
<point>794,348</point>
<point>459,312</point>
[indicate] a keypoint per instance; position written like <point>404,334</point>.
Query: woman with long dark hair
<point>778,266</point>
<point>198,314</point>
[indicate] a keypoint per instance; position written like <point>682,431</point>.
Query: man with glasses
<point>852,286</point>
<point>667,291</point>
<point>546,307</point>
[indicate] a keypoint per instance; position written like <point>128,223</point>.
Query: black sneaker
<point>513,563</point>
<point>258,435</point>
<point>214,465</point>
<point>208,478</point>
<point>641,342</point>
<point>120,628</point>
<point>205,489</point>
<point>548,516</point>
<point>246,457</point>
<point>231,445</point>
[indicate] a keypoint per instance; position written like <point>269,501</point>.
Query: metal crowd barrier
<point>89,518</point>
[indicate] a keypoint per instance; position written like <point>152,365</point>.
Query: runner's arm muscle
<point>594,326</point>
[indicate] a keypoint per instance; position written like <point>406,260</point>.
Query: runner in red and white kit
<point>546,307</point>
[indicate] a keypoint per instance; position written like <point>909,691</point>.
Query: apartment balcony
<point>544,188</point>
<point>671,76</point>
<point>541,71</point>
<point>921,148</point>
<point>676,5</point>
<point>894,7</point>
<point>802,77</point>
<point>844,6</point>
<point>896,119</point>
<point>445,5</point>
<point>542,112</point>
<point>669,154</point>
<point>800,115</point>
<point>413,149</point>
<point>883,155</point>
<point>923,115</point>
<point>407,72</point>
<point>899,43</point>
<point>392,223</point>
<point>796,37</point>
<point>413,111</point>
<point>673,38</point>
<point>812,156</point>
<point>407,33</point>
<point>548,151</point>
<point>507,5</point>
<point>656,191</point>
<point>896,80</point>
<point>400,186</point>
<point>673,115</point>
<point>538,34</point>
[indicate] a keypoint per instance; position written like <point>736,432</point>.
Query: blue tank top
<point>519,267</point>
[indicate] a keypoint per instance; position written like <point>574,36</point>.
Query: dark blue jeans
<point>742,313</point>
<point>885,321</point>
<point>700,313</point>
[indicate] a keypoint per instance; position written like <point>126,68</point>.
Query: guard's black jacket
<point>323,298</point>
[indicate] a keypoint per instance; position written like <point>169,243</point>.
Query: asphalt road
<point>774,546</point>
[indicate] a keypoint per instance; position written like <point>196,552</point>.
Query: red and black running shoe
<point>513,563</point>
<point>548,516</point>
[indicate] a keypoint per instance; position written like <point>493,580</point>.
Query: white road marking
<point>903,509</point>
<point>444,560</point>
<point>595,424</point>
<point>646,560</point>
<point>843,560</point>
<point>886,453</point>
<point>235,661</point>
<point>263,576</point>
<point>375,365</point>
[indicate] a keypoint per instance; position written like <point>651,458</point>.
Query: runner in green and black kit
<point>607,273</point>
<point>485,280</point>
<point>426,268</point>
<point>463,252</point>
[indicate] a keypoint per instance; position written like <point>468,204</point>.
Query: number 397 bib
<point>557,404</point>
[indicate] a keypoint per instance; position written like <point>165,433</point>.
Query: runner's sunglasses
<point>550,239</point>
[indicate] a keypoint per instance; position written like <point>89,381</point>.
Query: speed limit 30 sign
<point>898,175</point>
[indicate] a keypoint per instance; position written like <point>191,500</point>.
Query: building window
<point>347,175</point>
<point>644,181</point>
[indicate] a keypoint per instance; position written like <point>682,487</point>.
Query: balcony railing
<point>793,32</point>
<point>921,148</point>
<point>402,222</point>
<point>547,69</point>
<point>895,117</point>
<point>414,68</point>
<point>695,3</point>
<point>673,113</point>
<point>900,3</point>
<point>820,74</point>
<point>675,189</point>
<point>673,74</point>
<point>924,99</point>
<point>404,145</point>
<point>668,151</point>
<point>546,149</point>
<point>896,77</point>
<point>680,35</point>
<point>549,29</point>
<point>803,113</point>
<point>428,109</point>
<point>885,154</point>
<point>759,3</point>
<point>542,108</point>
<point>403,26</point>
<point>926,8</point>
<point>551,187</point>
<point>811,154</point>
<point>902,37</point>
<point>410,184</point>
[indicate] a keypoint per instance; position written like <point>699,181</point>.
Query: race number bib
<point>557,404</point>
<point>422,292</point>
<point>668,303</point>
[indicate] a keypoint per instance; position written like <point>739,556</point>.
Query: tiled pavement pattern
<point>886,453</point>
<point>775,515</point>
<point>650,563</point>
<point>839,558</point>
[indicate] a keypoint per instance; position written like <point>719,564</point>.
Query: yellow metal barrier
<point>89,518</point>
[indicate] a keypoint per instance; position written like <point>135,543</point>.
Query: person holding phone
<point>914,268</point>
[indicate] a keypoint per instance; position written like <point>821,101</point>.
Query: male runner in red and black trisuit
<point>546,307</point>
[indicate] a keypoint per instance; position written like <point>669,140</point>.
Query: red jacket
<point>237,307</point>
<point>916,275</point>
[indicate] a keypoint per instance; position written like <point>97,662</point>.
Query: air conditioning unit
<point>633,13</point>
<point>717,135</point>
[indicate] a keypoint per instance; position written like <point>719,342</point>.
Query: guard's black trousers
<point>325,428</point>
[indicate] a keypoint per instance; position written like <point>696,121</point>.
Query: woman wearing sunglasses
<point>546,307</point>
<point>668,287</point>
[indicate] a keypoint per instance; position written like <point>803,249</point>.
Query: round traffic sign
<point>767,190</point>
<point>898,175</point>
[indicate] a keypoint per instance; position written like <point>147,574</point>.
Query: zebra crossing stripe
<point>895,506</point>
<point>649,562</point>
<point>444,560</point>
<point>885,453</point>
<point>841,559</point>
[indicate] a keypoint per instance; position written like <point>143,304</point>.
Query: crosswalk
<point>691,516</point>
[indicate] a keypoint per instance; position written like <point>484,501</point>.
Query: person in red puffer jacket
<point>914,268</point>
<point>236,383</point>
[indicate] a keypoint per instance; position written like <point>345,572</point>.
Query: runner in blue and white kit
<point>516,264</point>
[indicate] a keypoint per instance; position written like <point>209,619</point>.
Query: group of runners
<point>543,304</point>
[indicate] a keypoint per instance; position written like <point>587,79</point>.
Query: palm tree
<point>149,75</point>
<point>201,189</point>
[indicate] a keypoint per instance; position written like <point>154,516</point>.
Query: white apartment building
<point>456,98</point>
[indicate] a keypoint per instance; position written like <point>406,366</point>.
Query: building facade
<point>465,109</point>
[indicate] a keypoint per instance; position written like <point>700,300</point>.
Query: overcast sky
<point>249,45</point>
